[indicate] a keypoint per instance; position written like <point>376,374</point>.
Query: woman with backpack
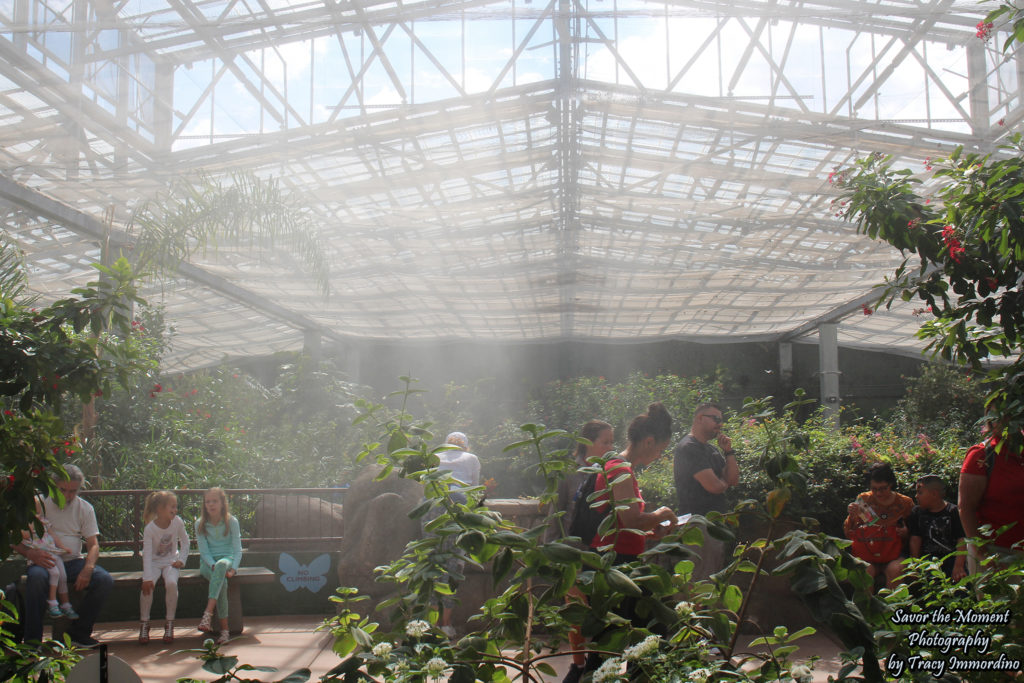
<point>572,496</point>
<point>648,436</point>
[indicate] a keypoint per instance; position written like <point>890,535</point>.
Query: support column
<point>785,385</point>
<point>311,345</point>
<point>828,364</point>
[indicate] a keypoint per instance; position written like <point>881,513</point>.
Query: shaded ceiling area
<point>508,171</point>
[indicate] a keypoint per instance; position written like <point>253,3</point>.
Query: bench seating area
<point>244,576</point>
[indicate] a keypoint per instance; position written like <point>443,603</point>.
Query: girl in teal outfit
<point>220,553</point>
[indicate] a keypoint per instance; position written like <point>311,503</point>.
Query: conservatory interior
<point>483,199</point>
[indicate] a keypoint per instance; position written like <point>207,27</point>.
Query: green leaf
<point>732,597</point>
<point>220,665</point>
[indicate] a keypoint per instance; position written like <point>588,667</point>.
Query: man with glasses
<point>73,524</point>
<point>703,473</point>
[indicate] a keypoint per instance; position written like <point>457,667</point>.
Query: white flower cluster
<point>417,628</point>
<point>700,676</point>
<point>644,648</point>
<point>436,668</point>
<point>801,673</point>
<point>382,650</point>
<point>609,671</point>
<point>685,609</point>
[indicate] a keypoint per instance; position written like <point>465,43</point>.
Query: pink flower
<point>984,29</point>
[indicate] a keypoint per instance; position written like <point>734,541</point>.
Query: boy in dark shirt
<point>935,529</point>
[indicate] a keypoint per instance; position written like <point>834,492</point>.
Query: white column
<point>828,364</point>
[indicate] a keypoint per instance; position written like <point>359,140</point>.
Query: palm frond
<point>13,277</point>
<point>242,210</point>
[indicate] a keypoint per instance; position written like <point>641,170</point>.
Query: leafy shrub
<point>942,399</point>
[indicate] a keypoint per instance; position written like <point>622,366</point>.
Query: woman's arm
<point>236,543</point>
<point>205,556</point>
<point>632,517</point>
<point>183,542</point>
<point>971,491</point>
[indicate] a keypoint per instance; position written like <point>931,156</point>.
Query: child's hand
<point>147,587</point>
<point>177,564</point>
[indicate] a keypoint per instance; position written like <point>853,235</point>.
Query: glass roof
<point>495,171</point>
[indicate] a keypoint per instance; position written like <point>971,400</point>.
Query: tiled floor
<point>291,642</point>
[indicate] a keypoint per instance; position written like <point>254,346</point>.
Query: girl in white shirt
<point>164,551</point>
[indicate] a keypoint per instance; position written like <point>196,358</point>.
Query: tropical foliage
<point>959,225</point>
<point>79,347</point>
<point>681,629</point>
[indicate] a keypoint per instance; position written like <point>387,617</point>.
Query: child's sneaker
<point>54,611</point>
<point>204,623</point>
<point>67,610</point>
<point>143,633</point>
<point>223,638</point>
<point>169,632</point>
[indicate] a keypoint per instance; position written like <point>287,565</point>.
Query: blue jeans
<point>37,588</point>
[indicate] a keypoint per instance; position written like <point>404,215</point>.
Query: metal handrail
<point>131,536</point>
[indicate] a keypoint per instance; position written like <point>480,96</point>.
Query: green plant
<point>939,629</point>
<point>943,398</point>
<point>242,209</point>
<point>20,662</point>
<point>967,238</point>
<point>228,668</point>
<point>686,627</point>
<point>78,346</point>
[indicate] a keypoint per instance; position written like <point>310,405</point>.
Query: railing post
<point>138,526</point>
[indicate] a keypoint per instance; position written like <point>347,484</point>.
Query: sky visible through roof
<point>506,171</point>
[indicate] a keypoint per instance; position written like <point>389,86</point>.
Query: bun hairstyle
<point>656,422</point>
<point>590,431</point>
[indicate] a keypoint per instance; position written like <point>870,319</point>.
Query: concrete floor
<point>291,642</point>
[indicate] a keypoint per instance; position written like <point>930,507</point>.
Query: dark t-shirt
<point>692,456</point>
<point>939,531</point>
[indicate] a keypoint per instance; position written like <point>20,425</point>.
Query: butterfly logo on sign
<point>295,575</point>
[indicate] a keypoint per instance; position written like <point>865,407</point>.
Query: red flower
<point>866,309</point>
<point>984,29</point>
<point>956,249</point>
<point>1001,122</point>
<point>157,388</point>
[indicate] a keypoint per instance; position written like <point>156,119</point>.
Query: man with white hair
<point>73,524</point>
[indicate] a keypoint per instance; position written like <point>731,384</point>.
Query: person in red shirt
<point>992,492</point>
